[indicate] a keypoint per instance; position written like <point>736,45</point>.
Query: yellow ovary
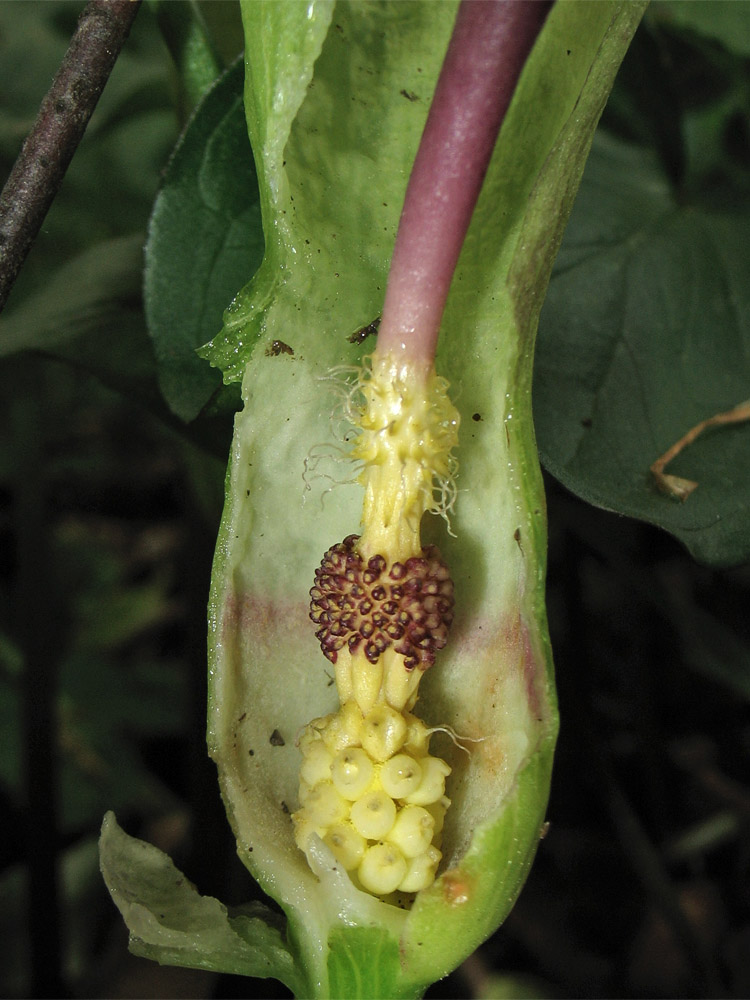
<point>412,832</point>
<point>382,869</point>
<point>347,845</point>
<point>400,775</point>
<point>374,815</point>
<point>352,773</point>
<point>383,731</point>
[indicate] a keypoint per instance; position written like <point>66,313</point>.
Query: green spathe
<point>336,98</point>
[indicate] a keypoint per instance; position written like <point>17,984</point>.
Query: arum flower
<point>337,763</point>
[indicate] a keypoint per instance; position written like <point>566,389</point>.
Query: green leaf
<point>362,961</point>
<point>171,923</point>
<point>726,21</point>
<point>708,646</point>
<point>98,710</point>
<point>515,986</point>
<point>205,238</point>
<point>644,334</point>
<point>334,129</point>
<point>80,895</point>
<point>189,42</point>
<point>90,316</point>
<point>11,759</point>
<point>110,618</point>
<point>127,141</point>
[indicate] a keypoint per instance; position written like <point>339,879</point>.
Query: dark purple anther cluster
<point>408,605</point>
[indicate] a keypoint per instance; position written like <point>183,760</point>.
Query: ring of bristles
<point>348,382</point>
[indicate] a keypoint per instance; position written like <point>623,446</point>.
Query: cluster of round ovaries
<point>369,606</point>
<point>371,791</point>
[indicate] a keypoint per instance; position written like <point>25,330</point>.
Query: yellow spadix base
<point>369,787</point>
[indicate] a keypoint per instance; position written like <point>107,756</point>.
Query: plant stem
<point>63,116</point>
<point>675,486</point>
<point>488,48</point>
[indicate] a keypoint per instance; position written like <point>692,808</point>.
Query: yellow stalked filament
<point>383,605</point>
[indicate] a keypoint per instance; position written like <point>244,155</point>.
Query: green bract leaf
<point>336,100</point>
<point>205,238</point>
<point>363,961</point>
<point>171,923</point>
<point>645,333</point>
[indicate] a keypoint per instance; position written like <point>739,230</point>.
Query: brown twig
<point>675,486</point>
<point>65,112</point>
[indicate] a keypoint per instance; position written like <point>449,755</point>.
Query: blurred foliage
<point>205,238</point>
<point>645,332</point>
<point>641,887</point>
<point>128,502</point>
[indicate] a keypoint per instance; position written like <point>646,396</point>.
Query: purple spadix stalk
<point>488,48</point>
